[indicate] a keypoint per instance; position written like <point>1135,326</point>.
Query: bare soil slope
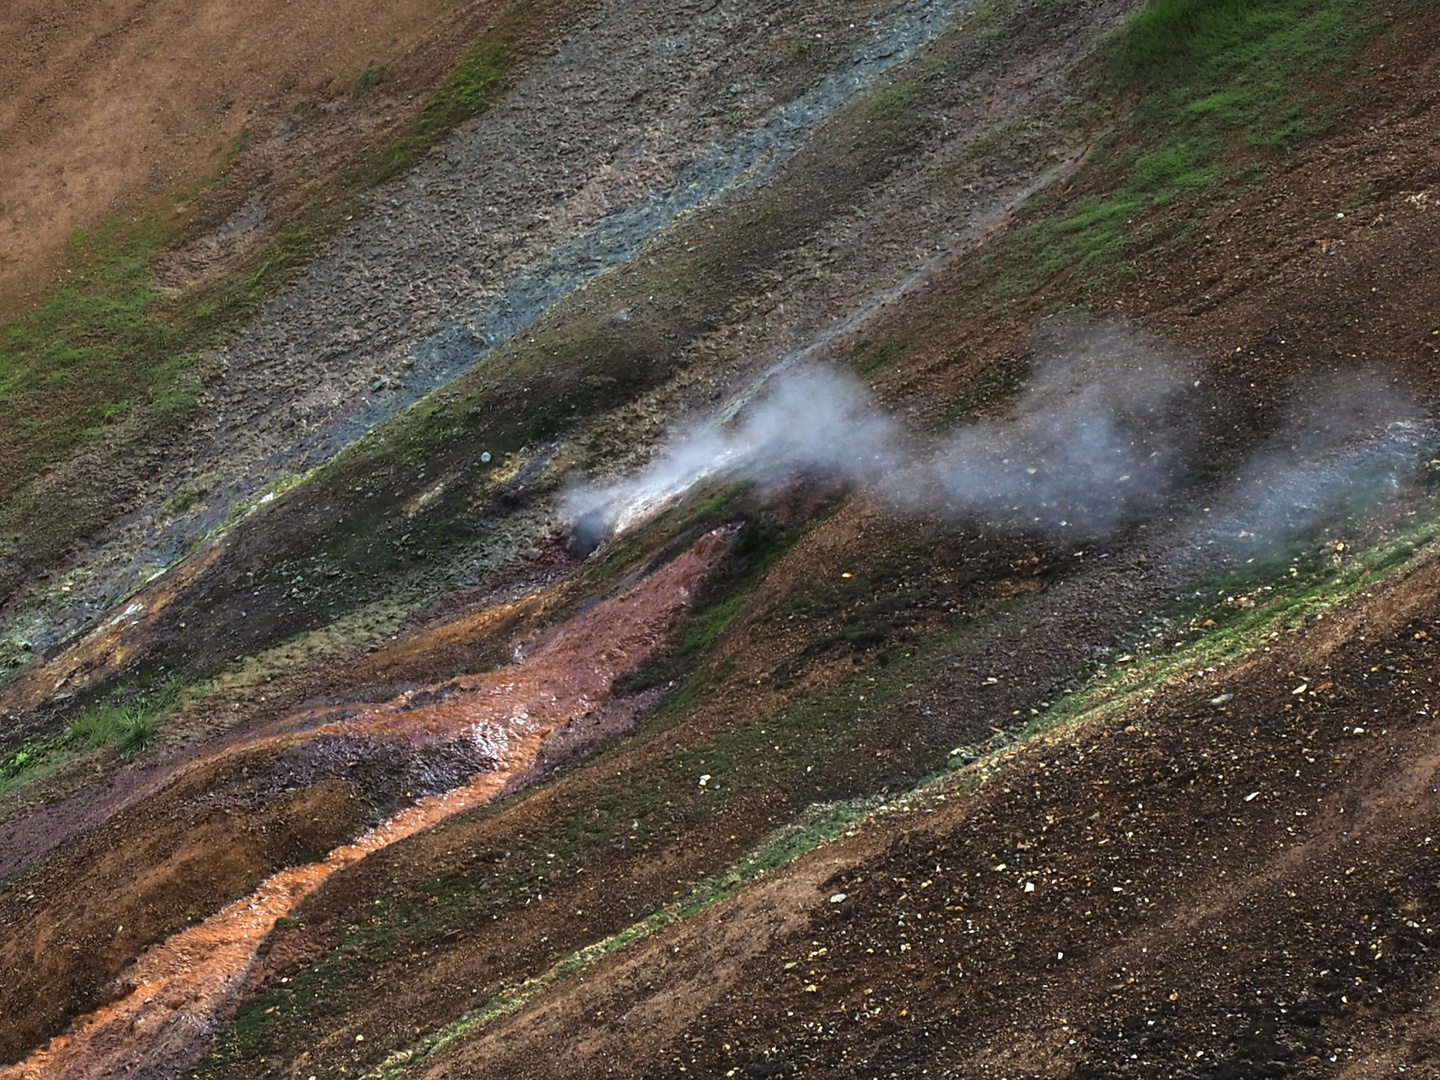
<point>1244,890</point>
<point>895,796</point>
<point>107,105</point>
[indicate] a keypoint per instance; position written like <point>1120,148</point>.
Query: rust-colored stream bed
<point>172,994</point>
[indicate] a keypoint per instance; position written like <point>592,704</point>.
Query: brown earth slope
<point>105,105</point>
<point>1233,877</point>
<point>1243,890</point>
<point>723,1000</point>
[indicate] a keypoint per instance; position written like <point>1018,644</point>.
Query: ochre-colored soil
<point>106,105</point>
<point>1246,890</point>
<point>1155,807</point>
<point>493,726</point>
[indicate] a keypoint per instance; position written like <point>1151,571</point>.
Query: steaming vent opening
<point>588,533</point>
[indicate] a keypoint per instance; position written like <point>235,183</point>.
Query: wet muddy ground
<point>440,750</point>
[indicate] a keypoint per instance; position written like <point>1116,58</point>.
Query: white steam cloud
<point>1345,442</point>
<point>1100,436</point>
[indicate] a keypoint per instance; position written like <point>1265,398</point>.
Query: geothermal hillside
<point>720,539</point>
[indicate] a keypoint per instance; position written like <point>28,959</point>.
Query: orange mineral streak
<point>429,642</point>
<point>111,646</point>
<point>173,993</point>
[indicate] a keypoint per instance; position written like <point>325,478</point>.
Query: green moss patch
<point>1211,86</point>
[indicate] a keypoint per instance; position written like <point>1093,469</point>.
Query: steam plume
<point>1100,436</point>
<point>1345,442</point>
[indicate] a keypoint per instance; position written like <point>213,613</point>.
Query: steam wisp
<point>1344,443</point>
<point>1100,436</point>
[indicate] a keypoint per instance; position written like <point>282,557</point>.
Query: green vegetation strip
<point>88,355</point>
<point>111,340</point>
<point>821,732</point>
<point>1213,86</point>
<point>1105,696</point>
<point>1253,612</point>
<point>817,826</point>
<point>128,721</point>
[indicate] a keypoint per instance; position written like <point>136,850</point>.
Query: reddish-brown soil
<point>1228,940</point>
<point>1208,885</point>
<point>460,743</point>
<point>1241,891</point>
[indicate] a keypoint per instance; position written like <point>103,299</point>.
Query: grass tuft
<point>128,720</point>
<point>85,357</point>
<point>468,90</point>
<point>817,825</point>
<point>110,343</point>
